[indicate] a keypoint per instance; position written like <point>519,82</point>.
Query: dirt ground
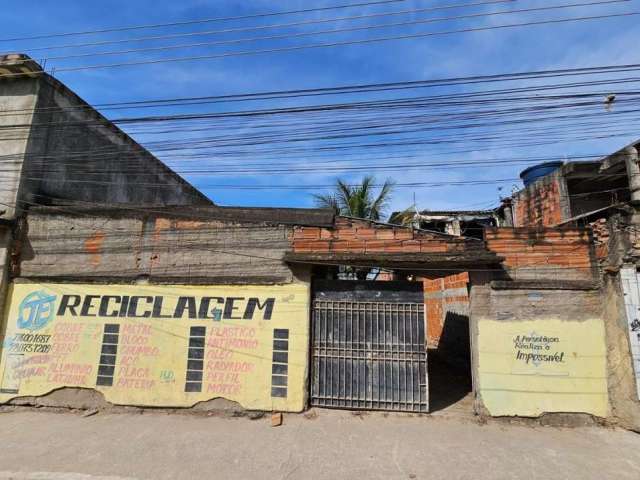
<point>321,444</point>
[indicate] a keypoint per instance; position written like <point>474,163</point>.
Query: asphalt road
<point>37,445</point>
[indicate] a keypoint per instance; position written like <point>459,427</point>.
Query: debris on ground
<point>276,419</point>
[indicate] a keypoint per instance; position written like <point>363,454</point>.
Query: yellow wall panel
<point>152,345</point>
<point>527,368</point>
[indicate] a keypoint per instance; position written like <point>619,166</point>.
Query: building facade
<point>159,298</point>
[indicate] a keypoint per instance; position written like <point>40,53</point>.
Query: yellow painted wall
<point>528,368</point>
<point>46,346</point>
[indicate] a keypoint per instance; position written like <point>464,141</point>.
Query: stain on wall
<point>527,368</point>
<point>153,345</point>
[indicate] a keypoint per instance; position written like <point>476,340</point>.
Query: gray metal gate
<point>368,346</point>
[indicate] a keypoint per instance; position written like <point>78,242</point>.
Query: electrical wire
<point>200,21</point>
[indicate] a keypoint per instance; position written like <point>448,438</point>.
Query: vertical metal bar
<point>395,375</point>
<point>356,358</point>
<point>329,386</point>
<point>342,326</point>
<point>410,355</point>
<point>404,363</point>
<point>314,368</point>
<point>325,319</point>
<point>426,368</point>
<point>385,351</point>
<point>375,310</point>
<point>351,360</point>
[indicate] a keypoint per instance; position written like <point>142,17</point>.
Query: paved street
<point>321,445</point>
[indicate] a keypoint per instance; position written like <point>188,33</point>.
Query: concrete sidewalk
<point>319,445</point>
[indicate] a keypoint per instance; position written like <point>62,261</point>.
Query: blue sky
<point>599,42</point>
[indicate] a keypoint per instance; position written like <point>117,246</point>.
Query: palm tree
<point>358,200</point>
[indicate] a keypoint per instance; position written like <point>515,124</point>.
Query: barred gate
<point>368,346</point>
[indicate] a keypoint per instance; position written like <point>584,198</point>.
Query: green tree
<point>358,201</point>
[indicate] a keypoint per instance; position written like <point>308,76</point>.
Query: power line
<point>312,108</point>
<point>200,21</point>
<point>264,27</point>
<point>334,44</point>
<point>377,87</point>
<point>290,36</point>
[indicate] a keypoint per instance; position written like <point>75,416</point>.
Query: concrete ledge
<point>417,261</point>
<point>544,285</point>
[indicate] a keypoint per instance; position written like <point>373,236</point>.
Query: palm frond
<point>328,200</point>
<point>380,203</point>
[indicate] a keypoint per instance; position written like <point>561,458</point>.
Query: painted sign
<point>631,290</point>
<point>152,345</point>
<point>527,368</point>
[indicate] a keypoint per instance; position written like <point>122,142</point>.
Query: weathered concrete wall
<point>18,98</point>
<point>538,351</point>
<point>76,154</point>
<point>157,345</point>
<point>74,247</point>
<point>623,393</point>
<point>6,238</point>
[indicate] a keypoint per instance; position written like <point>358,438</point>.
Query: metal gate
<point>368,346</point>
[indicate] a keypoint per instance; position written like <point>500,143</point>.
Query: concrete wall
<point>158,345</point>
<point>55,147</point>
<point>6,237</point>
<point>18,98</point>
<point>623,388</point>
<point>538,351</point>
<point>74,247</point>
<point>76,154</point>
<point>148,255</point>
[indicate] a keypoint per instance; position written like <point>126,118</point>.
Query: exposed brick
<point>366,233</point>
<point>346,234</point>
<point>384,234</point>
<point>375,245</point>
<point>311,246</point>
<point>412,246</point>
<point>306,233</point>
<point>403,234</point>
<point>433,247</point>
<point>394,246</point>
<point>342,246</point>
<point>326,234</point>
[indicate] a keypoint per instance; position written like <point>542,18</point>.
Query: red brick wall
<point>443,295</point>
<point>539,204</point>
<point>562,253</point>
<point>601,236</point>
<point>361,236</point>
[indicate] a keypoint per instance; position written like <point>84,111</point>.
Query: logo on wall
<point>36,310</point>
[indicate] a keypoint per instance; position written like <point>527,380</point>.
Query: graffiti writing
<point>537,349</point>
